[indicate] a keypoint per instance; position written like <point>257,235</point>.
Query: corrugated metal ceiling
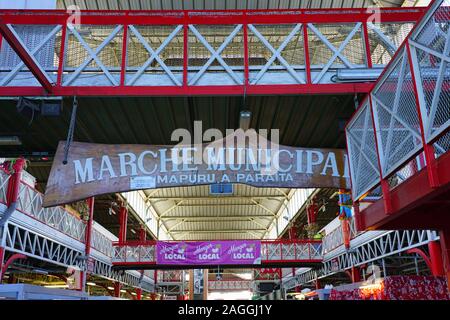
<point>303,121</point>
<point>191,213</point>
<point>222,4</point>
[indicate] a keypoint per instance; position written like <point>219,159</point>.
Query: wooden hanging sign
<point>95,169</point>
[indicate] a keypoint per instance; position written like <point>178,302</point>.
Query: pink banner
<point>209,252</point>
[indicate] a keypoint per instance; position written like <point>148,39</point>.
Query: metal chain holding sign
<point>71,129</point>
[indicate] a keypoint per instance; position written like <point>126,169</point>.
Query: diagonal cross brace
<point>8,33</point>
<point>154,55</point>
<point>337,53</point>
<point>215,54</point>
<point>93,54</point>
<point>276,54</point>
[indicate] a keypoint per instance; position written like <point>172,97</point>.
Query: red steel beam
<point>120,91</point>
<point>412,194</point>
<point>28,60</point>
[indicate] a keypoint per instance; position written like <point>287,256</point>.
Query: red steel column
<point>293,232</point>
<point>142,238</point>
<point>437,266</point>
<point>445,246</point>
<point>117,288</point>
<point>14,181</point>
<point>138,294</point>
<point>12,194</point>
<point>346,233</point>
<point>356,276</point>
<point>87,243</point>
<point>2,257</point>
<point>123,217</point>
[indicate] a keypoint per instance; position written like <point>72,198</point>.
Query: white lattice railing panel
<point>102,243</point>
<point>150,60</point>
<point>385,39</point>
<point>30,201</point>
<point>170,275</point>
<point>430,50</point>
<point>362,152</point>
<point>276,48</point>
<point>219,56</point>
<point>135,253</point>
<point>230,285</point>
<point>291,251</point>
<point>331,47</point>
<point>395,115</point>
<point>93,51</point>
<point>4,178</point>
<point>40,43</point>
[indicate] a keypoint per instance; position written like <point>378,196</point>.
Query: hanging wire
<point>71,129</point>
<point>355,100</point>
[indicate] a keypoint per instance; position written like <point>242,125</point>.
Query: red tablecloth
<point>397,288</point>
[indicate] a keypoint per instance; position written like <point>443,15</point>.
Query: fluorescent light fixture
<point>110,288</point>
<point>244,119</point>
<point>133,293</point>
<point>54,286</point>
<point>90,283</point>
<point>123,291</point>
<point>10,141</point>
<point>132,231</point>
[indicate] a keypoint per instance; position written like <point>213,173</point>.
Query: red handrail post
<point>14,182</point>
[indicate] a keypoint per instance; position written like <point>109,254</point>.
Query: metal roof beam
<point>217,231</point>
<point>235,217</point>
<point>214,198</point>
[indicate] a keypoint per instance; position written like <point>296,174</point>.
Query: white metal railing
<point>4,178</point>
<point>362,152</point>
<point>30,201</point>
<point>335,237</point>
<point>142,253</point>
<point>230,285</point>
<point>407,110</point>
<point>430,51</point>
<point>291,250</point>
<point>216,54</point>
<point>102,240</point>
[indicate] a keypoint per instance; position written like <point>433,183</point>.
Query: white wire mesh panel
<point>217,50</point>
<point>385,39</point>
<point>39,41</point>
<point>431,54</point>
<point>362,152</point>
<point>442,144</point>
<point>406,171</point>
<point>4,178</point>
<point>93,55</point>
<point>155,55</point>
<point>276,54</point>
<point>333,46</point>
<point>395,115</point>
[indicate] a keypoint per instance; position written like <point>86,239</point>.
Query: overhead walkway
<point>143,255</point>
<point>56,236</point>
<point>166,53</point>
<point>364,248</point>
<point>398,140</point>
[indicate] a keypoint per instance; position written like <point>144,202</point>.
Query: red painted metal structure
<point>12,195</point>
<point>186,19</point>
<point>421,200</point>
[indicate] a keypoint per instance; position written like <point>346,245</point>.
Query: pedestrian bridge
<point>135,53</point>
